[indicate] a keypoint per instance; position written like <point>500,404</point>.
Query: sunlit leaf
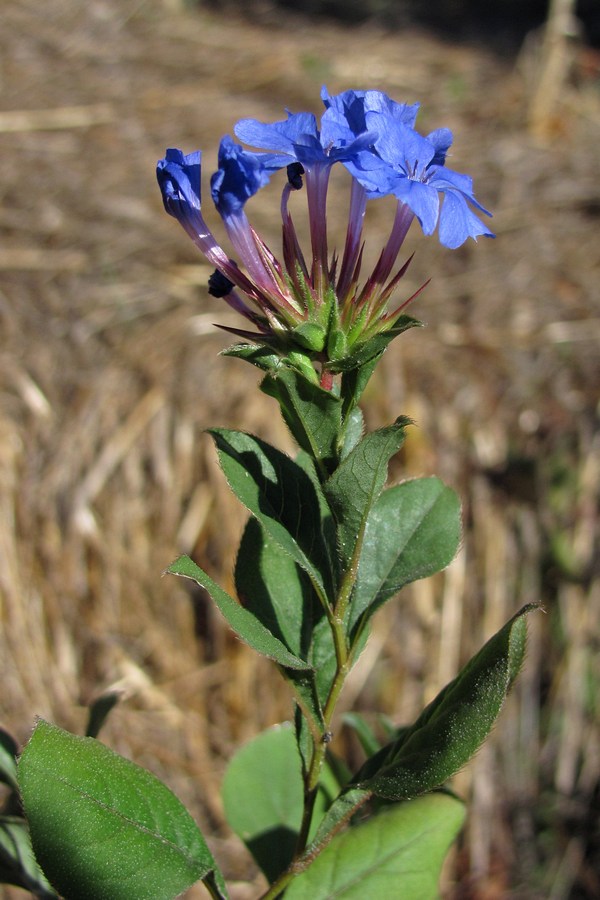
<point>397,853</point>
<point>104,827</point>
<point>247,627</point>
<point>454,725</point>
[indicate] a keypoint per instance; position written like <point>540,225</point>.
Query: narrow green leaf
<point>246,626</point>
<point>358,481</point>
<point>102,826</point>
<point>454,725</point>
<point>17,863</point>
<point>8,758</point>
<point>263,797</point>
<point>312,414</point>
<point>397,853</point>
<point>282,497</point>
<point>412,531</point>
<point>278,592</point>
<point>260,356</point>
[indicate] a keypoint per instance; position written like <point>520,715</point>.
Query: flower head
<point>412,168</point>
<point>316,304</point>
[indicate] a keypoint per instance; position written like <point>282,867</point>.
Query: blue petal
<point>280,137</point>
<point>441,139</point>
<point>376,101</point>
<point>179,180</point>
<point>447,179</point>
<point>376,176</point>
<point>422,199</point>
<point>401,146</point>
<point>240,175</point>
<point>458,222</point>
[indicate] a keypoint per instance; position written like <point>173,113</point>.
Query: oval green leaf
<point>101,826</point>
<point>397,853</point>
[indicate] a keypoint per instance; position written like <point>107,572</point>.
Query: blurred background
<point>109,374</point>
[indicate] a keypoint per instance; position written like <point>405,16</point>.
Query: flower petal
<point>280,137</point>
<point>179,180</point>
<point>441,139</point>
<point>240,175</point>
<point>458,221</point>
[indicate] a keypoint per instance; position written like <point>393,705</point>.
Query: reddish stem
<point>326,380</point>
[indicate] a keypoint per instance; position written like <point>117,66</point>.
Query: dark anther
<point>295,171</point>
<point>219,285</point>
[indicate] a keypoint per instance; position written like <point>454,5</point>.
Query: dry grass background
<point>109,373</point>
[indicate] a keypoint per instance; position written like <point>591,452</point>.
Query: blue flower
<point>298,139</point>
<point>352,106</point>
<point>321,295</point>
<point>179,180</point>
<point>240,175</point>
<point>411,167</point>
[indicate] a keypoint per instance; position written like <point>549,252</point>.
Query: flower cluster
<point>316,304</point>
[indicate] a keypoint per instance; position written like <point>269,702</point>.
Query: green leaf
<point>353,431</point>
<point>275,589</point>
<point>260,356</point>
<point>8,759</point>
<point>282,497</point>
<point>397,853</point>
<point>278,592</point>
<point>412,531</point>
<point>357,483</point>
<point>263,797</point>
<point>354,382</point>
<point>17,862</point>
<point>312,414</point>
<point>246,626</point>
<point>454,725</point>
<point>102,826</point>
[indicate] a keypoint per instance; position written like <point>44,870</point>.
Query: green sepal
<point>337,346</point>
<point>374,347</point>
<point>454,725</point>
<point>310,335</point>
